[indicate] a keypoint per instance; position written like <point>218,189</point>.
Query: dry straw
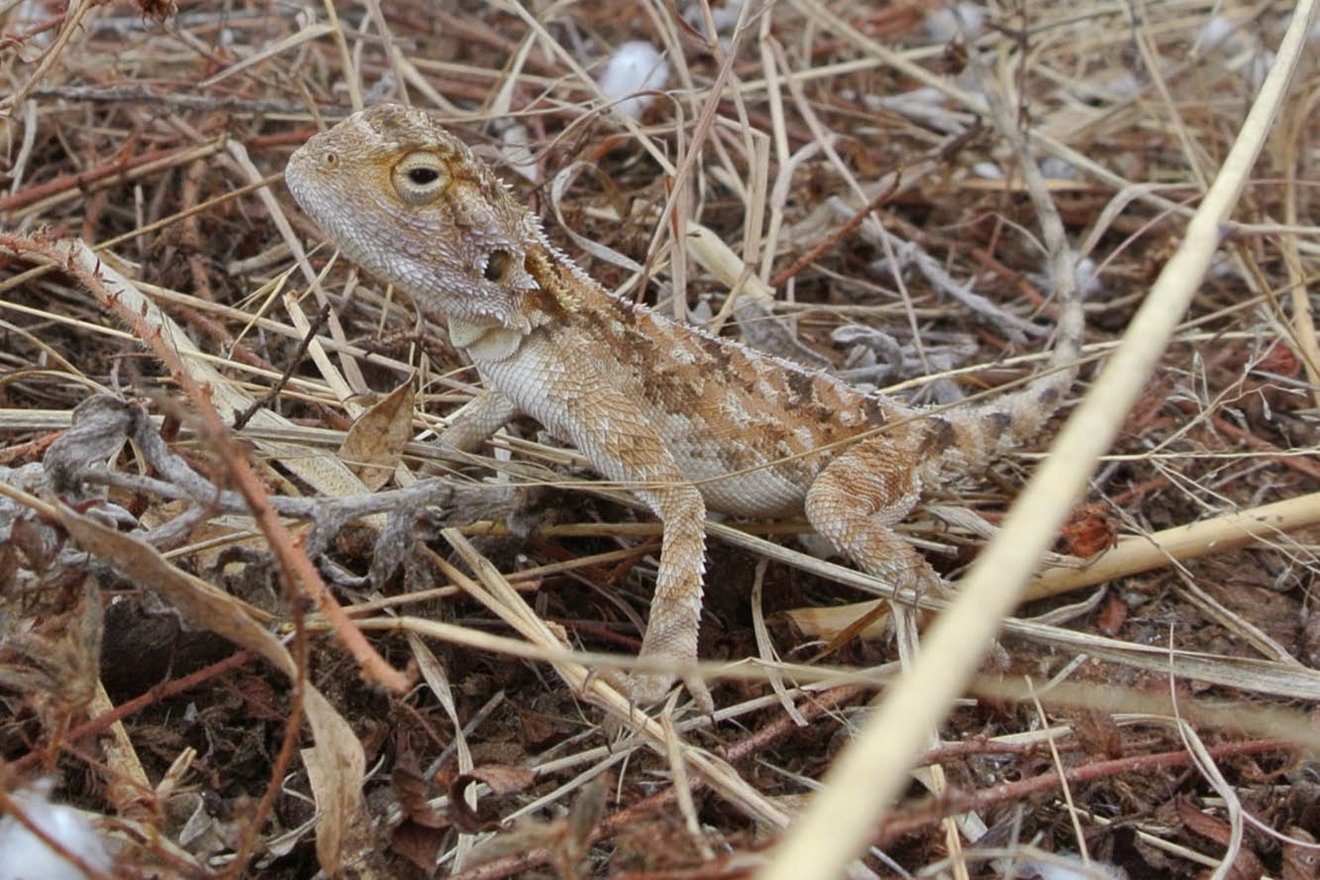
<point>865,779</point>
<point>782,147</point>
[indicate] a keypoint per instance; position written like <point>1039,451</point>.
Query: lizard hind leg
<point>856,500</point>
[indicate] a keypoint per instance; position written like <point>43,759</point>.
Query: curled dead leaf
<point>500,778</point>
<point>374,445</point>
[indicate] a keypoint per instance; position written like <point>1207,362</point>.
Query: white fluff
<point>1068,867</point>
<point>1088,280</point>
<point>725,18</point>
<point>637,66</point>
<point>1221,32</point>
<point>1261,63</point>
<point>942,23</point>
<point>26,856</point>
<point>1058,169</point>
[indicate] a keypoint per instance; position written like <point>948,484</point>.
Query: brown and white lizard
<point>687,420</point>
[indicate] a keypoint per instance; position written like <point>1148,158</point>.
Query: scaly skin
<point>687,420</point>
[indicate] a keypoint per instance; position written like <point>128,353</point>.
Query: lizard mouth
<point>318,195</point>
<point>297,176</point>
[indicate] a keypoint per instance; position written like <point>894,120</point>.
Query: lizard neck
<point>560,293</point>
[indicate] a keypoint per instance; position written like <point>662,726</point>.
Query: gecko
<point>687,420</point>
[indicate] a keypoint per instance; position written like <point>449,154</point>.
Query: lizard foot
<point>649,688</point>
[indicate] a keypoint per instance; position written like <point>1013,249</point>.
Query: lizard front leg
<point>855,500</point>
<point>675,616</point>
<point>617,437</point>
<point>475,421</point>
<point>604,422</point>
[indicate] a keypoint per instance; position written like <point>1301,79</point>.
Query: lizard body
<point>689,421</point>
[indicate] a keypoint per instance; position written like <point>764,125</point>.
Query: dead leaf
<point>417,843</point>
<point>413,792</point>
<point>374,445</point>
<point>839,624</point>
<point>1112,616</point>
<point>1089,531</point>
<point>1246,866</point>
<point>1300,862</point>
<point>500,778</point>
<point>589,808</point>
<point>99,429</point>
<point>1099,734</point>
<point>1280,359</point>
<point>335,770</point>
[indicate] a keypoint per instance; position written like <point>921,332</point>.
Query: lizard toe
<point>650,688</point>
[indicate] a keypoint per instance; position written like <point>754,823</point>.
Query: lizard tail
<point>975,436</point>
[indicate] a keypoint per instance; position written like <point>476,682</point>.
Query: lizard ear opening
<point>497,265</point>
<point>419,178</point>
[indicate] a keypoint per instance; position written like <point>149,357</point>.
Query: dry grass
<point>174,608</point>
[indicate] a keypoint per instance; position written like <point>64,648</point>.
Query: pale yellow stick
<point>1130,556</point>
<point>863,782</point>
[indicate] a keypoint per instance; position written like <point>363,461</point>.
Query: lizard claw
<point>696,686</point>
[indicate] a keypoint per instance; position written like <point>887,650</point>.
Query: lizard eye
<point>497,265</point>
<point>420,178</point>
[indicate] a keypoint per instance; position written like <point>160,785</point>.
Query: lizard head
<point>410,203</point>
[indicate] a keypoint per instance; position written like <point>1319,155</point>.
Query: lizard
<point>689,421</point>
